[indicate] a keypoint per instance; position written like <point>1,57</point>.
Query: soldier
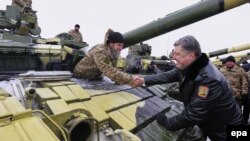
<point>246,66</point>
<point>236,77</point>
<point>76,33</point>
<point>102,59</point>
<point>206,95</point>
<point>246,98</point>
<point>22,3</point>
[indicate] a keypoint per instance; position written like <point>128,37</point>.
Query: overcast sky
<point>228,29</point>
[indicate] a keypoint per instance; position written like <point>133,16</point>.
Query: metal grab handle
<point>97,127</point>
<point>55,124</point>
<point>90,117</point>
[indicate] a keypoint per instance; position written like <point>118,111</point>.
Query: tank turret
<point>22,48</point>
<point>183,17</point>
<point>135,54</point>
<point>19,21</point>
<point>139,60</point>
<point>140,50</point>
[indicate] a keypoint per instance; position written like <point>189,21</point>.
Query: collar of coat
<point>235,68</point>
<point>193,70</point>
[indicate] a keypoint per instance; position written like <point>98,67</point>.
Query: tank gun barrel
<point>183,17</point>
<point>229,50</point>
<point>238,57</point>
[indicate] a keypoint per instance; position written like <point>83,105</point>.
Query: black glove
<point>161,119</point>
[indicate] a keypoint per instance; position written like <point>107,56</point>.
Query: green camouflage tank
<point>52,105</point>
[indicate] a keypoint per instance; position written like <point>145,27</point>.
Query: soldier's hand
<point>137,81</point>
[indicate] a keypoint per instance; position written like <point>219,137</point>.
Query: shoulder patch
<point>203,91</point>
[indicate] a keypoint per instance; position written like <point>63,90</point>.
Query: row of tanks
<point>52,105</point>
<point>240,53</point>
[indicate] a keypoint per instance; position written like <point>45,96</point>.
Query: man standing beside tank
<point>246,101</point>
<point>207,97</point>
<point>76,33</point>
<point>236,77</point>
<point>102,59</point>
<point>246,98</point>
<point>22,3</point>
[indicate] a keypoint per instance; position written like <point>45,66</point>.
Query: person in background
<point>236,77</point>
<point>22,3</point>
<point>76,33</point>
<point>246,98</point>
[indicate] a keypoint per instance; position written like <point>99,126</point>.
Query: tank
<point>22,48</point>
<point>21,21</point>
<point>135,54</point>
<point>53,106</point>
<point>140,61</point>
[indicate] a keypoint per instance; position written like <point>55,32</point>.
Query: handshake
<point>137,81</point>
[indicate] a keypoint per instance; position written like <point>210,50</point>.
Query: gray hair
<point>189,43</point>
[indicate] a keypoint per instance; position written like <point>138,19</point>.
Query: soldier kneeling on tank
<point>102,59</point>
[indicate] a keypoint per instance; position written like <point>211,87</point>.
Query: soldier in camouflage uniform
<point>76,33</point>
<point>246,99</point>
<point>237,78</point>
<point>22,3</point>
<point>102,59</point>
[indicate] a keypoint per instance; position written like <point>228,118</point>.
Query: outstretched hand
<point>137,81</point>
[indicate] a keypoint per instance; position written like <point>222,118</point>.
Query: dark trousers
<point>246,106</point>
<point>218,133</point>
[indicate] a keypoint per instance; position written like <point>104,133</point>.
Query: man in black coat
<point>207,96</point>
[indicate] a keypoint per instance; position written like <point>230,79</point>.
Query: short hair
<point>189,43</point>
<point>77,25</point>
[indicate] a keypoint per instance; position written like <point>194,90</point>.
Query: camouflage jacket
<point>99,61</point>
<point>248,75</point>
<point>22,3</point>
<point>237,79</point>
<point>77,35</point>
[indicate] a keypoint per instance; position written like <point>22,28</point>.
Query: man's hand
<point>137,81</point>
